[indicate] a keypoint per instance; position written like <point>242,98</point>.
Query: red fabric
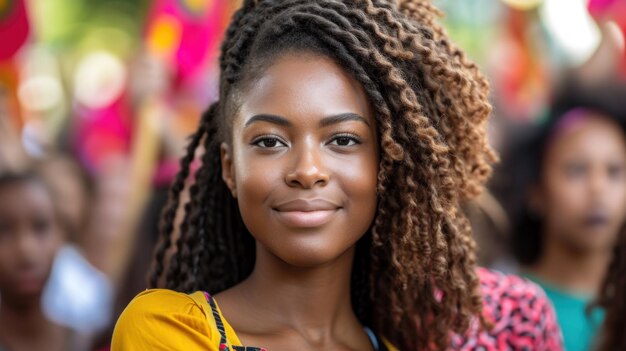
<point>14,27</point>
<point>523,318</point>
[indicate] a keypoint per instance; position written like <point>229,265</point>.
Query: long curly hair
<point>612,299</point>
<point>413,279</point>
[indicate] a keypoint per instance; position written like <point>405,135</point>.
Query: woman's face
<point>582,195</point>
<point>303,162</point>
<point>29,238</point>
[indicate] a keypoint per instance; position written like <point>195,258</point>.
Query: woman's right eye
<point>268,142</point>
<point>575,170</point>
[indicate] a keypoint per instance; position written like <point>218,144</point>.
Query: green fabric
<point>579,328</point>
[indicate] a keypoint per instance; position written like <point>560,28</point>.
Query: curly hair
<point>611,299</point>
<point>414,280</point>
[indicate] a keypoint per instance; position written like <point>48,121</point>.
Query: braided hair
<point>413,279</point>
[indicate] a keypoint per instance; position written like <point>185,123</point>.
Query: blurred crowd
<point>97,98</point>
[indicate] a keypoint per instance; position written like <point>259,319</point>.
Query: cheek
<point>256,177</point>
<point>617,191</point>
<point>54,245</point>
<point>49,244</point>
<point>564,196</point>
<point>6,258</point>
<point>617,200</point>
<point>359,179</point>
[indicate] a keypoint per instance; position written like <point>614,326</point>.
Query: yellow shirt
<point>162,319</point>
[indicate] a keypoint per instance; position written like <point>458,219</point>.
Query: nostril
<point>307,179</point>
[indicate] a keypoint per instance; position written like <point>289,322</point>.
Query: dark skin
<point>303,165</point>
<point>582,200</point>
<point>29,239</point>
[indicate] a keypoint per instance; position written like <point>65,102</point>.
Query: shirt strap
<point>224,344</point>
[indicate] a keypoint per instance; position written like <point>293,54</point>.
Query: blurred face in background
<point>65,181</point>
<point>29,238</point>
<point>582,192</point>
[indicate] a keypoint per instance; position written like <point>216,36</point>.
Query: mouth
<point>596,220</point>
<point>27,283</point>
<point>302,213</point>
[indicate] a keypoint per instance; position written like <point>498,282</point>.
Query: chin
<point>309,256</point>
<point>308,261</point>
<point>594,242</point>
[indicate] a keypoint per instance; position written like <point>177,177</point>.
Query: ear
<point>228,168</point>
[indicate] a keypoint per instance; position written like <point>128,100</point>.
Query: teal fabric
<point>579,328</point>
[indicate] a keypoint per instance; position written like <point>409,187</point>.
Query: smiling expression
<point>303,161</point>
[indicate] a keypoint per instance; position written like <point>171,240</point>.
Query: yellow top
<point>161,319</point>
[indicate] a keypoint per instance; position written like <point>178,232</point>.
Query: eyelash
<point>267,137</point>
<point>349,136</point>
<point>263,138</point>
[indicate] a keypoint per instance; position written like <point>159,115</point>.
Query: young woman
<point>325,214</point>
<point>573,204</point>
<point>30,236</point>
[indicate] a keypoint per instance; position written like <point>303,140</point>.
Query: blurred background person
<point>30,237</point>
<point>567,199</point>
<point>79,293</point>
<point>39,247</point>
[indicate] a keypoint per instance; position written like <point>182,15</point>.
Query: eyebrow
<point>327,121</point>
<point>281,121</point>
<point>343,117</point>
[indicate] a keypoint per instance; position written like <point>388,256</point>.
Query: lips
<point>29,281</point>
<point>596,220</point>
<point>301,213</point>
<point>29,285</point>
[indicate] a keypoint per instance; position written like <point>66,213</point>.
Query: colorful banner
<point>14,27</point>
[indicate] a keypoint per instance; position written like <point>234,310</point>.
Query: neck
<point>23,326</point>
<point>315,301</point>
<point>22,317</point>
<point>576,271</point>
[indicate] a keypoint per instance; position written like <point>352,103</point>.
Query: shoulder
<point>499,285</point>
<point>159,304</point>
<point>513,298</point>
<point>163,319</point>
<point>519,311</point>
<point>164,300</point>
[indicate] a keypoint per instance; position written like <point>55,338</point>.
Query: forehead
<point>24,196</point>
<point>589,132</point>
<point>305,85</point>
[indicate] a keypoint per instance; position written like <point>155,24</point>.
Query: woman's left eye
<point>344,140</point>
<point>268,142</point>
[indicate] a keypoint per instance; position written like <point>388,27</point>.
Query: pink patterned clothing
<point>522,316</point>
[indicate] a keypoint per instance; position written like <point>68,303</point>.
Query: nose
<point>599,184</point>
<point>27,246</point>
<point>308,170</point>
